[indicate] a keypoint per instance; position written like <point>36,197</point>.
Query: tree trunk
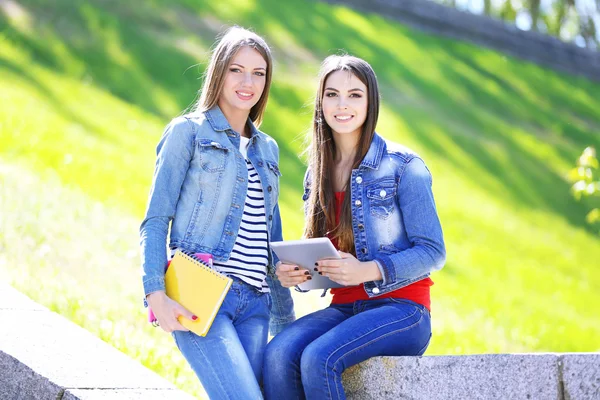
<point>487,6</point>
<point>534,10</point>
<point>562,10</point>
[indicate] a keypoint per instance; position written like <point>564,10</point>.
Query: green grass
<point>87,88</point>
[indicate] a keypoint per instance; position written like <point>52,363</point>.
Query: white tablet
<point>305,253</point>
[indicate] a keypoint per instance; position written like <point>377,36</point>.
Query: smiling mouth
<point>343,118</point>
<point>244,95</point>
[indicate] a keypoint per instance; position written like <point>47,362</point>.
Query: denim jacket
<point>394,219</point>
<point>199,189</point>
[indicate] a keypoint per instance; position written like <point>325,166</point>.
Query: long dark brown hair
<point>214,77</point>
<point>320,210</point>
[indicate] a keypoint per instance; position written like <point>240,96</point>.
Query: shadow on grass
<point>525,178</point>
<point>113,52</point>
<point>42,89</point>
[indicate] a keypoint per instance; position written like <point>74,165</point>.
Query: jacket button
<point>260,163</point>
<point>358,179</point>
<point>240,179</point>
<point>364,250</point>
<point>382,193</point>
<point>375,290</point>
<point>357,203</point>
<point>270,218</point>
<point>269,189</point>
<point>229,233</point>
<point>361,227</point>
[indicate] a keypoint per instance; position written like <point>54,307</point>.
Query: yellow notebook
<point>198,288</point>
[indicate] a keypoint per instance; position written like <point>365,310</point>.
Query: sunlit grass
<point>87,87</point>
<point>80,258</point>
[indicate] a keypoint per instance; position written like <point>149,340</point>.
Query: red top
<point>417,292</point>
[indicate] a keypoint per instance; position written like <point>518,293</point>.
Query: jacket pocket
<point>212,155</point>
<point>382,196</point>
<point>274,168</point>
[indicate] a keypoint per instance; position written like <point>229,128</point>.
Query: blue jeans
<point>229,359</point>
<point>307,359</point>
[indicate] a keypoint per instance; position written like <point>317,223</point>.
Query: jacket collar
<point>373,157</point>
<point>219,122</point>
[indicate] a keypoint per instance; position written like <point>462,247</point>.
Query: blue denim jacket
<point>394,219</point>
<point>199,189</point>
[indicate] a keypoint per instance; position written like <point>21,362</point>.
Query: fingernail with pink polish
<point>194,318</point>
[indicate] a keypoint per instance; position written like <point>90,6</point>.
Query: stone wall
<point>486,31</point>
<point>45,356</point>
<point>569,376</point>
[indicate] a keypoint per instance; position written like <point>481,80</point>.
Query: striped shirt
<point>250,254</point>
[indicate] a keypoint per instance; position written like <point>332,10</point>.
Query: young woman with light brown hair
<point>216,186</point>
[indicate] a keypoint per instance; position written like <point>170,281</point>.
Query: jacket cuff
<point>386,266</point>
<point>154,284</point>
<point>274,259</point>
<point>384,280</point>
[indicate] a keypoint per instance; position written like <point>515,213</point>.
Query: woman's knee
<point>280,353</point>
<point>315,360</point>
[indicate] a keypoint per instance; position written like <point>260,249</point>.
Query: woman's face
<point>244,81</point>
<point>345,103</point>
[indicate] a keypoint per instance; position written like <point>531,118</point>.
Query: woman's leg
<point>252,326</point>
<point>283,354</point>
<point>219,359</point>
<point>386,327</point>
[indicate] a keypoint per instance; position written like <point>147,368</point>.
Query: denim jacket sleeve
<point>427,252</point>
<point>306,185</point>
<point>174,152</point>
<point>282,310</point>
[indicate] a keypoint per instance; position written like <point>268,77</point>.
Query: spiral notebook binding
<point>192,257</point>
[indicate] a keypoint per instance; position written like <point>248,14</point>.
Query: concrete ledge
<point>580,374</point>
<point>489,376</point>
<point>45,356</point>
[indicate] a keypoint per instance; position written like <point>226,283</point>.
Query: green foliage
<point>87,88</point>
<point>587,183</point>
<point>568,21</point>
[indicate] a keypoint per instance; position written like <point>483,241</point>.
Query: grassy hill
<point>87,87</point>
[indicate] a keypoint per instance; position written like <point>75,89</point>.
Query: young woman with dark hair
<point>373,199</point>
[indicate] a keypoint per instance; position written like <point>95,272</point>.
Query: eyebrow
<point>240,65</point>
<point>351,90</point>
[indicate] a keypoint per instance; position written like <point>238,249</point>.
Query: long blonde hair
<point>320,209</point>
<point>221,57</point>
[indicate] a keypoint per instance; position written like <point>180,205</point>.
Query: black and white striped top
<point>250,254</point>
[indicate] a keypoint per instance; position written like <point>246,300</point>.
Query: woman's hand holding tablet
<point>299,261</point>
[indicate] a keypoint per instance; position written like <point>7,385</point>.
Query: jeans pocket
<point>406,301</point>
